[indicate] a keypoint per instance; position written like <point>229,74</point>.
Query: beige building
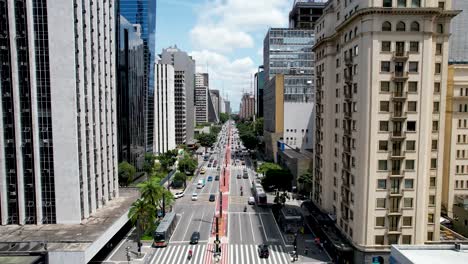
<point>381,70</point>
<point>247,106</point>
<point>455,181</point>
<point>273,97</point>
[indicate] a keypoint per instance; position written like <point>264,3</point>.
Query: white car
<point>251,200</point>
<point>179,195</point>
<point>194,197</point>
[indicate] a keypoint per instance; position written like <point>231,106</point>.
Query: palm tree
<point>305,179</point>
<point>142,216</point>
<point>151,191</point>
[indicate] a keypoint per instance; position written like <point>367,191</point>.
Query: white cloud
<point>220,38</point>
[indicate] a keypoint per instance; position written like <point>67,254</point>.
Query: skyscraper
<point>381,83</point>
<point>59,141</point>
<point>259,84</point>
<point>131,94</point>
<point>164,109</point>
<point>184,66</point>
<point>143,13</point>
<point>201,98</point>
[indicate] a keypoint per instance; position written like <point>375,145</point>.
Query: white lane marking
<point>253,253</point>
<point>231,253</point>
<point>201,220</point>
<point>283,254</point>
<point>263,228</point>
<point>251,228</point>
<point>187,242</point>
<point>181,255</point>
<point>277,228</point>
<point>240,227</point>
<point>188,226</point>
<point>241,253</point>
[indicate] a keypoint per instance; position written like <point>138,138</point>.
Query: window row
<point>459,184</point>
<point>401,3</point>
<point>461,169</point>
<point>400,26</point>
<point>462,123</point>
<point>383,165</point>
<point>386,46</point>
<point>398,87</point>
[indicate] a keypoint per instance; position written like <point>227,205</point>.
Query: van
<point>200,184</point>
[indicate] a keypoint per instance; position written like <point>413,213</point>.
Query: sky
<point>225,37</point>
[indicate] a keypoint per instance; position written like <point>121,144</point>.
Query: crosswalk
<point>231,254</point>
<point>237,166</point>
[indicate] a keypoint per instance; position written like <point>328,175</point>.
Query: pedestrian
<point>306,251</point>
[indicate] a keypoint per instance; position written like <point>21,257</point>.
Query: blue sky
<point>224,36</point>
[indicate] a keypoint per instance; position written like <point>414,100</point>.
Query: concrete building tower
<point>164,106</point>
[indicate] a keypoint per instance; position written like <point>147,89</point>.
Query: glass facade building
<point>131,94</point>
<point>289,51</point>
<point>458,51</point>
<point>143,13</point>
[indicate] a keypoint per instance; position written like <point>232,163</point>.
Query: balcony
<point>348,94</point>
<point>348,114</point>
<point>398,135</point>
<point>394,230</point>
<point>395,211</point>
<point>396,154</point>
<point>348,78</point>
<point>397,173</point>
<point>398,115</point>
<point>347,148</point>
<point>399,96</point>
<point>399,76</point>
<point>348,131</point>
<point>400,55</point>
<point>396,192</point>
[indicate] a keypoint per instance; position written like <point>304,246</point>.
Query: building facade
<point>458,51</point>
<point>201,98</point>
<point>164,109</point>
<point>215,99</point>
<point>381,70</point>
<point>305,13</point>
<point>247,106</point>
<point>184,67</point>
<point>228,106</point>
<point>142,13</point>
<point>59,132</point>
<point>259,84</point>
<point>131,94</point>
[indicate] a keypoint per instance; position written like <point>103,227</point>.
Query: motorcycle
<point>245,208</point>
<point>189,257</point>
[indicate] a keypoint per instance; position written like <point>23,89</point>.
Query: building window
<point>408,202</point>
<point>430,218</point>
<point>432,200</point>
<point>409,164</point>
<point>383,145</point>
<point>414,46</point>
<point>436,107</point>
<point>384,86</point>
<point>435,126</point>
<point>385,66</point>
<point>401,26</point>
<point>437,87</point>
<point>437,68</point>
<point>433,163</point>
<point>442,5</point>
<point>409,183</point>
<point>382,184</point>
<point>438,48</point>
<point>384,106</point>
<point>432,182</point>
<point>440,28</point>
<point>412,105</point>
<point>410,145</point>
<point>381,203</point>
<point>415,3</point>
<point>413,66</point>
<point>401,3</point>
<point>406,239</point>
<point>386,46</point>
<point>407,221</point>
<point>434,144</point>
<point>383,126</point>
<point>411,126</point>
<point>387,3</point>
<point>380,221</point>
<point>379,240</point>
<point>413,87</point>
<point>414,26</point>
<point>430,236</point>
<point>386,26</point>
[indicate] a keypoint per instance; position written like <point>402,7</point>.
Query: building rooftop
<point>73,237</point>
<point>429,254</point>
<point>298,155</point>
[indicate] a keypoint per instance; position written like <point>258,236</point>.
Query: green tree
<point>277,179</point>
<point>215,130</point>
<point>249,140</point>
<point>223,117</point>
<point>188,165</point>
<point>268,166</point>
<point>149,165</point>
<point>126,173</point>
<point>305,180</point>
<point>142,216</point>
<point>167,159</point>
<point>206,140</point>
<point>179,179</point>
<point>258,126</point>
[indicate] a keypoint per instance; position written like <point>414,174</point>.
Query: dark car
<point>245,176</point>
<point>212,198</point>
<point>209,165</point>
<point>210,178</point>
<point>217,178</point>
<point>195,237</point>
<point>239,176</point>
<point>263,251</point>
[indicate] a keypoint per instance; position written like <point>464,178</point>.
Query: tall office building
<point>201,98</point>
<point>305,13</point>
<point>247,106</point>
<point>142,13</point>
<point>381,82</point>
<point>164,109</point>
<point>59,141</point>
<point>259,84</point>
<point>459,40</point>
<point>184,67</point>
<point>215,99</point>
<point>228,107</point>
<point>131,94</point>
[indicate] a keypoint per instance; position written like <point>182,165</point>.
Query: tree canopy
<point>277,179</point>
<point>126,173</point>
<point>223,117</point>
<point>206,140</point>
<point>268,166</point>
<point>188,165</point>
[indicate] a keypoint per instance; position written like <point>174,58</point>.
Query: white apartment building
<point>201,98</point>
<point>164,109</point>
<point>58,148</point>
<point>381,70</point>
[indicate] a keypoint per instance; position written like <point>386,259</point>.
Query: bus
<point>259,195</point>
<point>163,233</point>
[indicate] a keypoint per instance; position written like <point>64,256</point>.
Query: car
<point>195,237</point>
<point>210,178</point>
<point>179,195</point>
<point>251,200</point>
<point>239,176</point>
<point>194,197</point>
<point>203,170</point>
<point>245,176</point>
<point>209,165</point>
<point>212,198</point>
<point>217,178</point>
<point>263,251</point>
